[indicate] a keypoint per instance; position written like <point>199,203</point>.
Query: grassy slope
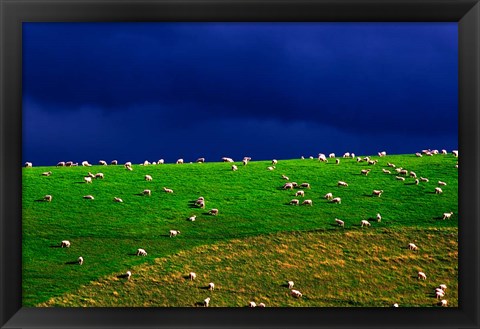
<point>251,203</point>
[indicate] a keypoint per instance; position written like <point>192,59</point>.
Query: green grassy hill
<point>255,243</point>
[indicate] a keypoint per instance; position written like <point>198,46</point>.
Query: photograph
<point>240,164</point>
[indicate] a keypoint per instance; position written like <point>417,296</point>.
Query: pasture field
<point>257,242</point>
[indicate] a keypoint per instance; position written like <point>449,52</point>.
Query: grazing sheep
<point>61,164</point>
<point>377,192</point>
<point>328,196</point>
<point>88,179</point>
<point>379,217</point>
<point>47,173</point>
<point>200,198</point>
<point>438,190</point>
<point>307,202</point>
<point>65,244</point>
<point>455,153</point>
<point>86,164</point>
<point>336,200</point>
<point>128,164</point>
<point>234,168</point>
<point>114,162</point>
<point>440,290</point>
<point>80,260</point>
<point>422,276</point>
<point>340,222</point>
<point>395,305</point>
<point>331,155</point>
<point>128,275</point>
<point>399,178</point>
<point>261,305</point>
<point>245,162</point>
<point>213,212</point>
<point>129,168</point>
<point>365,223</point>
<point>296,293</point>
<point>444,151</point>
<point>161,161</point>
<point>300,193</point>
<point>290,284</point>
<point>359,159</point>
<point>366,159</point>
<point>167,190</point>
<point>287,186</point>
<point>89,197</point>
<point>192,276</point>
<point>90,175</point>
<point>141,252</point>
<point>305,185</point>
<point>412,246</point>
<point>200,160</point>
<point>413,174</point>
<point>147,192</point>
<point>179,161</point>
<point>28,165</point>
<point>337,161</point>
<point>294,184</point>
<point>341,183</point>
<point>271,168</point>
<point>206,302</point>
<point>442,183</point>
<point>201,204</point>
<point>423,179</point>
<point>403,172</point>
<point>211,286</point>
<point>295,202</point>
<point>365,171</point>
<point>252,304</point>
<point>47,198</point>
<point>390,165</point>
<point>117,199</point>
<point>285,177</point>
<point>444,303</point>
<point>382,154</point>
<point>100,175</point>
<point>346,155</point>
<point>192,218</point>
<point>68,163</point>
<point>274,161</point>
<point>443,287</point>
<point>102,163</point>
<point>224,159</point>
<point>417,182</point>
<point>439,294</point>
<point>447,215</point>
<point>372,162</point>
<point>174,233</point>
<point>302,157</point>
<point>386,171</point>
<point>418,155</point>
<point>148,178</point>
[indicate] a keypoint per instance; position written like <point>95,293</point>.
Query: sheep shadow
<point>55,246</point>
<point>132,254</point>
<point>40,200</point>
<point>80,183</point>
<point>122,276</point>
<point>139,194</point>
<point>187,277</point>
<point>193,206</point>
<point>72,263</point>
<point>438,218</point>
<point>285,285</point>
<point>368,195</point>
<point>411,183</point>
<point>199,304</point>
<point>204,288</point>
<point>430,192</point>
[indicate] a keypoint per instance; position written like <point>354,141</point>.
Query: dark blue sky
<point>145,91</point>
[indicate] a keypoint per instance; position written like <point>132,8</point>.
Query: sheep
<point>417,182</point>
<point>285,177</point>
<point>261,305</point>
<point>296,293</point>
<point>61,164</point>
<point>302,157</point>
<point>117,199</point>
<point>403,172</point>
<point>365,223</point>
<point>443,287</point>
<point>321,157</point>
<point>366,159</point>
<point>128,275</point>
<point>252,304</point>
<point>161,161</point>
<point>201,204</point>
<point>443,303</point>
<point>331,155</point>
<point>100,175</point>
<point>179,161</point>
<point>192,218</point>
<point>274,162</point>
<point>398,169</point>
<point>211,286</point>
<point>379,217</point>
<point>413,174</point>
<point>346,155</point>
<point>439,294</point>
<point>271,168</point>
<point>147,192</point>
<point>148,178</point>
<point>377,192</point>
<point>234,168</point>
<point>47,173</point>
<point>423,179</point>
<point>337,161</point>
<point>167,190</point>
<point>28,165</point>
<point>412,246</point>
<point>422,276</point>
<point>114,162</point>
<point>438,190</point>
<point>199,200</point>
<point>65,244</point>
<point>287,186</point>
<point>200,160</point>
<point>248,159</point>
<point>90,175</point>
<point>442,183</point>
<point>435,152</point>
<point>444,151</point>
<point>386,171</point>
<point>372,162</point>
<point>206,302</point>
<point>352,155</point>
<point>455,153</point>
<point>390,165</point>
<point>365,171</point>
<point>290,284</point>
<point>213,212</point>
<point>295,202</point>
<point>88,180</point>
<point>80,260</point>
<point>395,305</point>
<point>342,183</point>
<point>340,222</point>
<point>129,168</point>
<point>336,200</point>
<point>447,215</point>
<point>192,276</point>
<point>47,198</point>
<point>245,162</point>
<point>141,252</point>
<point>382,154</point>
<point>294,184</point>
<point>102,163</point>
<point>300,193</point>
<point>174,233</point>
<point>328,196</point>
<point>225,159</point>
<point>359,159</point>
<point>305,185</point>
<point>418,155</point>
<point>307,202</point>
<point>399,178</point>
<point>68,163</point>
<point>89,197</point>
<point>440,290</point>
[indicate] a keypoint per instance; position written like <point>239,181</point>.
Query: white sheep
<point>442,183</point>
<point>342,183</point>
<point>413,174</point>
<point>439,294</point>
<point>129,168</point>
<point>271,168</point>
<point>252,304</point>
<point>418,155</point>
<point>69,163</point>
<point>447,215</point>
<point>117,199</point>
<point>287,186</point>
<point>147,192</point>
<point>89,197</point>
<point>379,217</point>
<point>174,233</point>
<point>365,223</point>
<point>417,182</point>
<point>225,159</point>
<point>403,172</point>
<point>61,164</point>
<point>412,246</point>
<point>290,284</point>
<point>438,190</point>
<point>87,179</point>
<point>167,190</point>
<point>295,202</point>
<point>213,212</point>
<point>128,275</point>
<point>300,193</point>
<point>141,252</point>
<point>336,200</point>
<point>423,179</point>
<point>201,204</point>
<point>234,168</point>
<point>294,184</point>
<point>261,305</point>
<point>80,260</point>
<point>444,303</point>
<point>359,159</point>
<point>245,162</point>
<point>100,175</point>
<point>200,160</point>
<point>382,154</point>
<point>114,162</point>
<point>443,287</point>
<point>455,153</point>
<point>296,293</point>
<point>328,196</point>
<point>192,218</point>
<point>400,178</point>
<point>305,185</point>
<point>340,222</point>
<point>346,155</point>
<point>128,164</point>
<point>372,162</point>
<point>274,161</point>
<point>206,302</point>
<point>161,161</point>
<point>211,286</point>
<point>386,171</point>
<point>390,165</point>
<point>148,178</point>
<point>192,276</point>
<point>395,305</point>
<point>321,157</point>
<point>46,173</point>
<point>47,198</point>
<point>102,163</point>
<point>337,161</point>
<point>422,276</point>
<point>285,177</point>
<point>28,165</point>
<point>377,192</point>
<point>90,175</point>
<point>331,155</point>
<point>179,161</point>
<point>365,171</point>
<point>86,164</point>
<point>199,200</point>
<point>307,202</point>
<point>65,244</point>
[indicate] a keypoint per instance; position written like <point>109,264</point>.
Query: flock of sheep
<point>400,174</point>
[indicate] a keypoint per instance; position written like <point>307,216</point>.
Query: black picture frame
<point>14,12</point>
